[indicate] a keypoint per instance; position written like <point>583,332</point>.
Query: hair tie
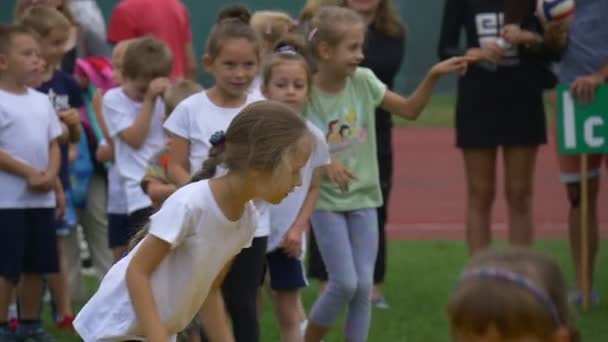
<point>521,281</point>
<point>287,49</point>
<point>217,139</point>
<point>312,34</point>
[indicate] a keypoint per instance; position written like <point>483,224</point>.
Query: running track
<point>428,197</point>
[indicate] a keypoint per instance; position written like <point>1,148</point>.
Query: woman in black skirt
<point>499,104</point>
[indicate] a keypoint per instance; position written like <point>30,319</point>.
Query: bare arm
<point>410,108</point>
<point>179,164</point>
<point>213,314</point>
<point>292,242</point>
<point>98,109</point>
<point>54,160</point>
<point>15,166</point>
<point>105,153</point>
<point>136,134</point>
<point>190,72</point>
<point>145,261</point>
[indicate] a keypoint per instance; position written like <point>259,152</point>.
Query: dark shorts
<point>138,219</point>
<point>119,234</point>
<point>286,273</point>
<point>29,242</point>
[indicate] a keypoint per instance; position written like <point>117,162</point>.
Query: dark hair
<point>387,19</point>
<point>8,32</point>
<point>232,23</point>
<point>329,25</point>
<point>147,58</point>
<point>290,47</point>
<point>262,136</point>
<point>521,293</point>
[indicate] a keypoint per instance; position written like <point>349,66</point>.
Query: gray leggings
<point>348,242</point>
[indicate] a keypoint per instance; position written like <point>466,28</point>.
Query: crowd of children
<point>211,192</point>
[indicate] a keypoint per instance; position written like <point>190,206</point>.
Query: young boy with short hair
<point>29,167</point>
<point>134,114</point>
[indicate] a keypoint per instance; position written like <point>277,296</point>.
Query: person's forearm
<point>15,166</point>
<point>310,202</point>
<point>214,318</point>
<point>144,305</point>
<point>54,160</point>
<point>413,106</point>
<point>136,135</point>
<point>178,174</point>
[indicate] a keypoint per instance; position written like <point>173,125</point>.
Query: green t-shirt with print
<point>347,120</point>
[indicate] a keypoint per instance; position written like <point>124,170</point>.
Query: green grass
<point>421,275</point>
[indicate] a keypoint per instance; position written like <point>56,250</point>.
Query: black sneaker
<point>34,335</point>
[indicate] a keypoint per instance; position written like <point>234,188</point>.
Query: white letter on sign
<point>569,123</point>
<point>590,138</point>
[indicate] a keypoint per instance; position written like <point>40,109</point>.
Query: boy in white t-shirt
<point>29,166</point>
<point>134,114</point>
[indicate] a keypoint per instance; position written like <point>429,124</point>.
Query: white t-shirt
<point>117,202</point>
<point>120,113</point>
<point>202,242</point>
<point>28,124</point>
<point>284,214</point>
<point>256,87</point>
<point>196,119</point>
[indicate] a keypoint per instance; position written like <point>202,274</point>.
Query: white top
<point>196,119</point>
<point>284,214</point>
<point>120,113</point>
<point>28,124</point>
<point>202,242</point>
<point>256,87</point>
<point>117,201</point>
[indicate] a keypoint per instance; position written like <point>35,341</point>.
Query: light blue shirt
<point>587,49</point>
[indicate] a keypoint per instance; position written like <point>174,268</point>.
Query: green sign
<point>582,129</point>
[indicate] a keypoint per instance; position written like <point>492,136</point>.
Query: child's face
<point>135,89</point>
<point>288,84</point>
<point>346,56</point>
<point>235,67</point>
<point>53,46</point>
<point>274,186</point>
<point>22,60</point>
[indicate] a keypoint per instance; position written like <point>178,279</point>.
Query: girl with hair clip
<point>232,57</point>
<point>515,295</point>
<point>345,219</point>
<point>287,78</point>
<point>156,290</point>
<point>270,26</point>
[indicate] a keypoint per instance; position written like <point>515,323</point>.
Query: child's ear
<point>325,50</point>
<point>563,334</point>
<point>208,63</point>
<point>3,62</point>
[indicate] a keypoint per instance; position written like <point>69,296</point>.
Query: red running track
<point>428,197</point>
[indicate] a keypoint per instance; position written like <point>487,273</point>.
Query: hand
<point>490,52</point>
<point>513,34</point>
<point>60,199</point>
<point>339,175</point>
<point>157,87</point>
<point>41,182</point>
<point>70,117</point>
<point>454,64</point>
<point>292,242</point>
<point>583,88</point>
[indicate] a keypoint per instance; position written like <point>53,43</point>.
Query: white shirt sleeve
<point>178,122</point>
<point>54,124</point>
<point>116,118</point>
<point>320,152</point>
<point>173,222</point>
